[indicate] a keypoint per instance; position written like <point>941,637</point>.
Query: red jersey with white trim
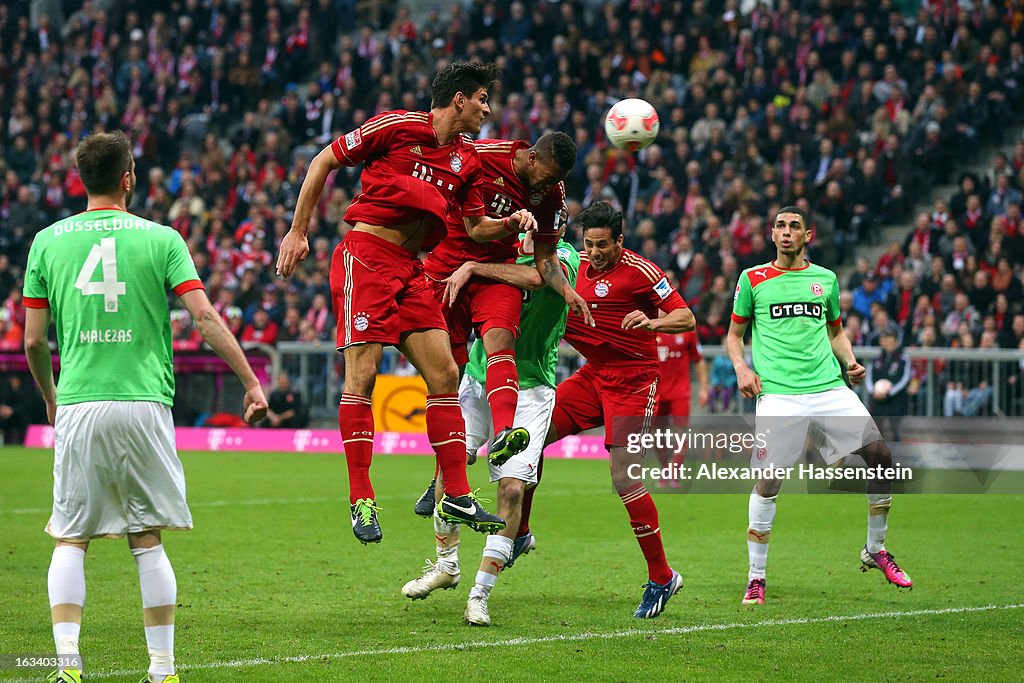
<point>677,352</point>
<point>503,193</point>
<point>633,283</point>
<point>408,176</point>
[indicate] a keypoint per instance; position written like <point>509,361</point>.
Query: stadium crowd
<point>851,110</point>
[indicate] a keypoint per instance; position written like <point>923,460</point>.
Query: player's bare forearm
<point>295,246</point>
<point>550,269</point>
<point>675,322</point>
<point>734,345</point>
<point>747,381</point>
<point>487,229</point>
<point>312,187</point>
<point>523,277</point>
<point>216,333</point>
<point>37,350</point>
<point>841,347</point>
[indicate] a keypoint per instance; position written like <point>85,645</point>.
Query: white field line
<point>576,637</point>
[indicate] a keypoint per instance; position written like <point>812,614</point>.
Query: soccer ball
<point>632,124</point>
<point>882,388</point>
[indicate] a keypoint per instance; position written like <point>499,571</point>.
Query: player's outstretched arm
<point>545,257</point>
<point>219,337</point>
<point>295,246</point>
<point>843,351</point>
<point>747,380</point>
<point>37,350</point>
<point>487,229</point>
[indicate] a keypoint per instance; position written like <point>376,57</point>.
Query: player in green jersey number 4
<point>103,275</point>
<point>801,352</point>
<point>543,325</point>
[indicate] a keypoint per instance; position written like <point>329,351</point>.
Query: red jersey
<point>676,353</point>
<point>634,283</point>
<point>503,193</point>
<point>408,176</point>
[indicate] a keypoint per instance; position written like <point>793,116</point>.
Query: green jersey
<point>789,310</point>
<point>105,274</point>
<point>542,323</point>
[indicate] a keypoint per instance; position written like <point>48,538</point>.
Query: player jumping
<point>417,164</point>
<point>801,352</point>
<point>116,472</point>
<point>515,175</point>
<point>620,380</point>
<point>544,315</point>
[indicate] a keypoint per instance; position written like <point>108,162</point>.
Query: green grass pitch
<point>272,586</point>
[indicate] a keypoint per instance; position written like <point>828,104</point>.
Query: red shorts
<point>673,407</point>
<point>594,397</point>
<point>379,292</point>
<point>482,304</point>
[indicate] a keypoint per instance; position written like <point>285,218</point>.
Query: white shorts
<point>533,412</point>
<point>838,423</point>
<point>116,471</point>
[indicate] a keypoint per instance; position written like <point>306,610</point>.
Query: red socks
<point>355,421</point>
<point>502,387</point>
<point>643,517</point>
<point>447,433</point>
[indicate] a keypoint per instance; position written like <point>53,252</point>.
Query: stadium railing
<point>945,381</point>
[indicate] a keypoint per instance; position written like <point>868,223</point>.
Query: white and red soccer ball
<point>632,124</point>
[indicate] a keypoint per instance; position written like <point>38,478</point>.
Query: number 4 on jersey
<point>103,254</point>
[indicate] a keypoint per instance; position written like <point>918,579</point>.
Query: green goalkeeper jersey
<point>789,311</point>
<point>105,274</point>
<point>542,323</point>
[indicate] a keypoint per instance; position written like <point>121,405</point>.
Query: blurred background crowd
<point>854,110</point>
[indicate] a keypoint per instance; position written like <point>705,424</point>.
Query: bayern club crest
<point>361,321</point>
<point>536,198</point>
<point>602,288</point>
<point>456,162</point>
<point>816,289</point>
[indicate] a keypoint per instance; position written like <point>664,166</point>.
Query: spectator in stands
<point>262,330</point>
<point>968,391</point>
<point>285,406</point>
<point>889,399</point>
<point>20,407</point>
<point>867,294</point>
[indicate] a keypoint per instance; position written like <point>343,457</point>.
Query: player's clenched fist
<point>294,248</point>
<point>748,382</point>
<point>855,372</point>
<point>254,405</point>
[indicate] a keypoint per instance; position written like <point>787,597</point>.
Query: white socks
<point>878,520</point>
<point>761,512</point>
<point>66,586</point>
<point>447,557</point>
<point>498,550</point>
<point>159,589</point>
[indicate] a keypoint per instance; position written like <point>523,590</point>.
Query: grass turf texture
<point>272,572</point>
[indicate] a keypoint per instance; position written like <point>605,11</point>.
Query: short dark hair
<point>601,215</point>
<point>798,211</point>
<point>464,77</point>
<point>102,159</point>
<point>558,146</point>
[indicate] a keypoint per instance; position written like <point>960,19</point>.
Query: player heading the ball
<point>416,165</point>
